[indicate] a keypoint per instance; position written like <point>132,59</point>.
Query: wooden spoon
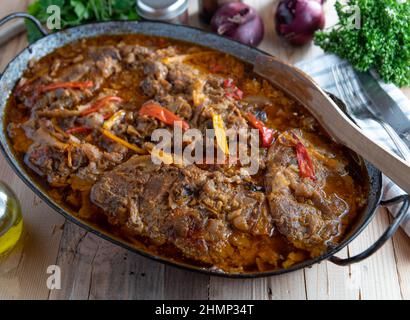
<point>304,89</point>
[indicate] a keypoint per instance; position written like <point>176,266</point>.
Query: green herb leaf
<point>79,8</point>
<point>76,12</point>
<point>382,42</point>
<point>33,34</point>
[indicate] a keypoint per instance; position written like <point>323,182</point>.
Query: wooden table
<point>92,268</point>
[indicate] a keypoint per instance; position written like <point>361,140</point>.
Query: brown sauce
<point>252,252</point>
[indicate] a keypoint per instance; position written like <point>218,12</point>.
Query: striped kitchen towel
<point>320,68</point>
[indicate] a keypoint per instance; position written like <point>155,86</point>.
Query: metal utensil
<point>11,31</point>
<point>173,11</point>
<point>384,106</point>
<point>358,106</point>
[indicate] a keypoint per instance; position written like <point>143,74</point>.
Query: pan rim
<point>372,172</point>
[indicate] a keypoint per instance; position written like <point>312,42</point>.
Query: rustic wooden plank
<point>183,284</point>
<point>401,243</point>
<point>290,286</point>
<point>240,289</point>
<point>93,268</point>
<point>377,274</point>
<point>23,273</point>
<point>326,281</point>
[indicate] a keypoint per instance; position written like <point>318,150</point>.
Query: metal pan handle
<point>405,200</point>
<point>15,15</point>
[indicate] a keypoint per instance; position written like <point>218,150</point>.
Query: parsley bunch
<point>76,12</point>
<point>382,42</point>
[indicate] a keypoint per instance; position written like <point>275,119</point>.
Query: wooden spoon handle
<point>303,89</point>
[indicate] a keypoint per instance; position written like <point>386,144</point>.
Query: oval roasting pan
<point>50,42</point>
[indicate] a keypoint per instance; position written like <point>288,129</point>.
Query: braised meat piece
<point>82,118</point>
<point>301,209</point>
<point>49,162</point>
<point>133,54</point>
<point>182,205</point>
<point>245,209</point>
<point>59,160</point>
<point>178,105</point>
<point>100,64</point>
<point>137,194</point>
<point>182,77</point>
<point>155,83</point>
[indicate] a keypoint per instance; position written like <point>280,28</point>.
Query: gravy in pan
<point>81,120</point>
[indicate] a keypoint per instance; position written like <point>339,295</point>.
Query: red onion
<point>207,8</point>
<point>240,22</point>
<point>297,20</point>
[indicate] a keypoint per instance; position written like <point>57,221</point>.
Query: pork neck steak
<point>195,210</point>
<point>300,208</point>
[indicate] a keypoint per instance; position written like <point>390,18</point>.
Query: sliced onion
<point>257,100</point>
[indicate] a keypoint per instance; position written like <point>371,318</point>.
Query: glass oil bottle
<point>11,219</point>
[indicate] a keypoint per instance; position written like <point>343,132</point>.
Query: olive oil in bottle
<point>11,219</point>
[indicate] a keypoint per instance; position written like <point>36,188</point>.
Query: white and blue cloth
<point>320,68</point>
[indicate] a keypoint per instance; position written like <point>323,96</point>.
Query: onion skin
<point>239,22</point>
<point>297,20</point>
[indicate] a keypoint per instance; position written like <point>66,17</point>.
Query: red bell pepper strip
<point>101,103</point>
<point>228,83</point>
<point>154,110</point>
<point>107,116</point>
<point>305,163</point>
<point>306,169</point>
<point>125,143</point>
<point>215,68</point>
<point>162,42</point>
<point>237,94</point>
<point>78,130</point>
<point>58,85</point>
<point>266,134</point>
<point>233,91</point>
